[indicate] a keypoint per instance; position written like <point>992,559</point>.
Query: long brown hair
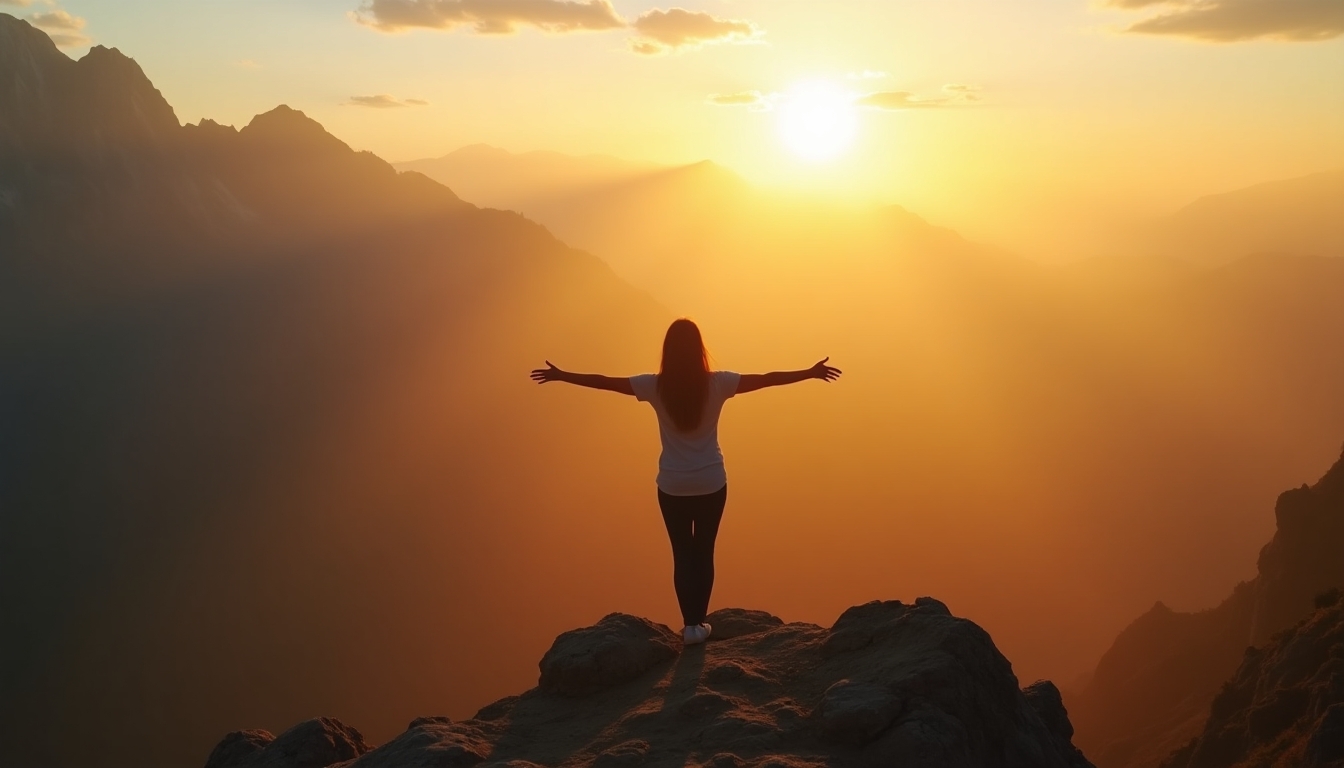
<point>683,379</point>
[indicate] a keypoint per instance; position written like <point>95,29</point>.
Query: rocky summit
<point>889,685</point>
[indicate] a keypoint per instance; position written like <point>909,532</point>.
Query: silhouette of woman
<point>692,486</point>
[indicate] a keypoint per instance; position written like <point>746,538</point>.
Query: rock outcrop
<point>314,743</point>
<point>1284,707</point>
<point>889,684</point>
<point>1152,690</point>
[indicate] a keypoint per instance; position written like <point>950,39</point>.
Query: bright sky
<point>1060,124</point>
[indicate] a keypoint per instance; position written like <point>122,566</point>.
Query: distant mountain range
<point>623,210</point>
<point>495,178</point>
<point>1302,216</point>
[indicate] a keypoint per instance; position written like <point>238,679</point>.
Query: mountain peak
<point>479,150</point>
<point>287,129</point>
<point>18,37</point>
<point>118,93</point>
<point>30,64</point>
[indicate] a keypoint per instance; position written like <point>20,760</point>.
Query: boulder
<point>238,748</point>
<point>856,712</point>
<point>430,744</point>
<point>315,743</point>
<point>617,649</point>
<point>736,622</point>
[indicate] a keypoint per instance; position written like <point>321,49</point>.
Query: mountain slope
<point>1284,707</point>
<point>1151,691</point>
<point>1303,216</point>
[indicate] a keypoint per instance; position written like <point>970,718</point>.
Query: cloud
<point>19,3</point>
<point>64,29</point>
<point>753,100</point>
<point>384,101</point>
<point>658,31</point>
<point>962,92</point>
<point>954,94</point>
<point>664,31</point>
<point>246,64</point>
<point>1229,21</point>
<point>490,17</point>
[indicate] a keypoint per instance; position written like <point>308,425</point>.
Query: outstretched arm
<point>590,380</point>
<point>753,381</point>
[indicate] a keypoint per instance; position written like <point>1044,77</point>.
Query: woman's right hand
<point>823,371</point>
<point>549,373</point>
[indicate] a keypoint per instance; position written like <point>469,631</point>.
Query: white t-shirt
<point>691,463</point>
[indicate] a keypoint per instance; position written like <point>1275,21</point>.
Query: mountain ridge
<point>1300,215</point>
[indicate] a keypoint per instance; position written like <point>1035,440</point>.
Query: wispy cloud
<point>1230,21</point>
<point>18,3</point>
<point>490,17</point>
<point>954,94</point>
<point>753,100</point>
<point>657,31</point>
<point>384,101</point>
<point>247,64</point>
<point>675,29</point>
<point>64,29</point>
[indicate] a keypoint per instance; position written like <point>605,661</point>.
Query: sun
<point>817,120</point>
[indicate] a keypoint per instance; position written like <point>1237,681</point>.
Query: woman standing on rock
<point>692,486</point>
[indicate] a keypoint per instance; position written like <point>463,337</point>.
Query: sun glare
<point>817,120</point>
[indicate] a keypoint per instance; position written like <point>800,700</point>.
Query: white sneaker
<point>695,634</point>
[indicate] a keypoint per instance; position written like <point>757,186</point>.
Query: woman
<point>692,487</point>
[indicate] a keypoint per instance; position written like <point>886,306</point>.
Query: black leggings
<point>692,525</point>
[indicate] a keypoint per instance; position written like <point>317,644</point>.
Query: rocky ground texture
<point>890,685</point>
